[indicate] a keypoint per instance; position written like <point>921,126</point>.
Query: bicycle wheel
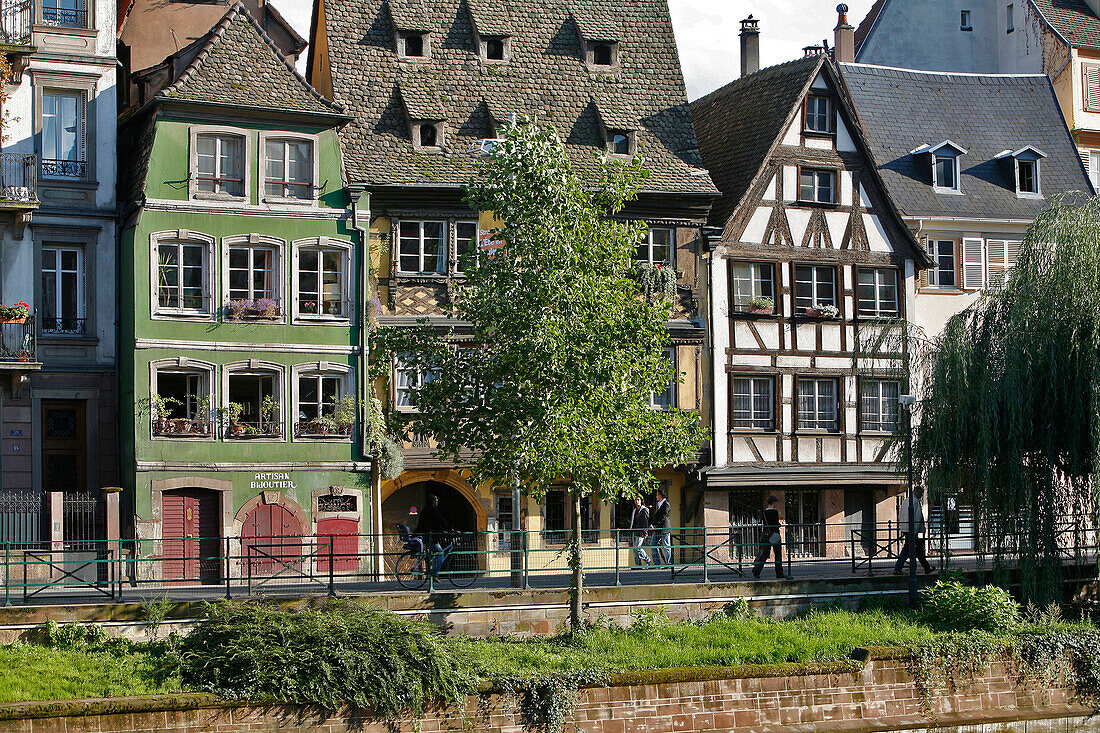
<point>409,571</point>
<point>461,569</point>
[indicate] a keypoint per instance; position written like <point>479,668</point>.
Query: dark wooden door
<point>192,545</point>
<point>271,539</point>
<point>344,534</point>
<point>64,470</point>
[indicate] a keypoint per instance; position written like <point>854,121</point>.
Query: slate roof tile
<point>900,110</point>
<point>546,77</point>
<point>1073,20</point>
<point>491,17</point>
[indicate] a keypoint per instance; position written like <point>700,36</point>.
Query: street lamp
<point>907,401</point>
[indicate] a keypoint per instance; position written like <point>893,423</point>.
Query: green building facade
<point>240,325</point>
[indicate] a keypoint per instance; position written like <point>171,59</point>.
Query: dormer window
<point>1023,166</point>
<point>496,48</point>
<point>427,135</point>
<point>413,45</point>
<point>943,159</point>
<point>602,55</point>
<point>620,142</point>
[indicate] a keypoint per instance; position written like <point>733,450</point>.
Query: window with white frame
<point>964,21</point>
<point>1094,168</point>
<point>407,381</point>
<point>182,276</point>
<point>219,164</point>
<point>945,171</point>
<point>466,244</point>
<point>422,247</point>
<point>181,404</point>
<point>943,273</point>
<point>63,304</point>
<point>814,286</point>
<point>1027,176</point>
<point>988,262</point>
<point>819,114</point>
<point>322,408</point>
<point>64,134</point>
<point>752,403</point>
<point>255,403</point>
<point>288,169</point>
<point>252,276</point>
<point>322,282</point>
<point>817,185</point>
<point>877,292</point>
<point>1091,86</point>
<point>818,405</point>
<point>667,398</point>
<point>752,284</point>
<point>878,405</point>
<point>656,247</point>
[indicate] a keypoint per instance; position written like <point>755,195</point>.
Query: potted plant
<point>829,311</point>
<point>266,308</point>
<point>309,307</point>
<point>161,407</point>
<point>16,313</point>
<point>269,409</point>
<point>201,421</point>
<point>233,413</point>
<point>761,305</point>
<point>344,414</point>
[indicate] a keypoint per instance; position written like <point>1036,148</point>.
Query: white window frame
<point>954,185</point>
<point>258,367</point>
<point>403,387</point>
<point>759,387</point>
<point>475,243</point>
<point>647,245</point>
<point>182,237</point>
<point>964,21</point>
<point>815,281</point>
<point>1019,167</point>
<point>936,253</point>
<point>988,262</point>
<point>323,244</point>
<point>187,365</point>
<point>657,401</point>
<point>880,283</point>
<point>444,256</point>
<point>314,183</point>
<point>220,132</point>
<point>755,279</point>
<point>878,406</point>
<point>812,387</point>
<point>56,249</point>
<point>344,373</point>
<point>817,173</point>
<point>82,142</point>
<point>830,124</point>
<point>1094,169</point>
<point>278,277</point>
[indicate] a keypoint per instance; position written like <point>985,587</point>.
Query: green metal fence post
<point>706,568</point>
<point>526,562</point>
<point>228,592</point>
<point>615,549</point>
<point>331,566</point>
<point>7,574</point>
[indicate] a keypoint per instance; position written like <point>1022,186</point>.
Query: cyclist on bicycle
<point>433,529</point>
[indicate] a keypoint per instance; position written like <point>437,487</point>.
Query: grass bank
<point>32,672</point>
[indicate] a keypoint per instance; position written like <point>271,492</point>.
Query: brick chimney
<point>844,38</point>
<point>750,46</point>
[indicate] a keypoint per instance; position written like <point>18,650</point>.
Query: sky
<point>706,32</point>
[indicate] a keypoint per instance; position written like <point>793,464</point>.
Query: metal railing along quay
<point>193,568</point>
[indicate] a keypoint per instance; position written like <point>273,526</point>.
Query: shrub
<point>341,652</point>
<point>952,606</point>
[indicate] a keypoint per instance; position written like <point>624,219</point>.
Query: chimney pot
<point>750,46</point>
<point>844,37</point>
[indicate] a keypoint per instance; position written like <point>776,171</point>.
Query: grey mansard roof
<point>900,110</point>
<point>546,76</point>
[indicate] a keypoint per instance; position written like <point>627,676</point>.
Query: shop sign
<point>273,481</point>
<point>333,503</point>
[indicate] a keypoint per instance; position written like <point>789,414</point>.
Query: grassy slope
<point>30,672</point>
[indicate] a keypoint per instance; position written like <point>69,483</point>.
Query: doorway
<point>192,535</point>
<point>271,539</point>
<point>803,520</point>
<point>859,520</point>
<point>65,470</point>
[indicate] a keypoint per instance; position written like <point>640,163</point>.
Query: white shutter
<point>973,270</point>
<point>1012,257</point>
<point>1092,88</point>
<point>996,256</point>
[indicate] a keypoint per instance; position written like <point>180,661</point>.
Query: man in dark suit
<point>639,533</point>
<point>662,530</point>
<point>433,528</point>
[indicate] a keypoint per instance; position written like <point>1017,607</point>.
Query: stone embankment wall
<point>873,692</point>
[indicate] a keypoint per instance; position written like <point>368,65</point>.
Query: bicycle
<point>414,565</point>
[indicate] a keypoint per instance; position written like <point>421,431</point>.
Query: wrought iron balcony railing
<point>63,326</point>
<point>18,179</point>
<point>18,341</point>
<point>65,17</point>
<point>15,23</point>
<point>65,168</point>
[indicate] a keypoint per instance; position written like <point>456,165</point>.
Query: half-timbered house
<point>811,264</point>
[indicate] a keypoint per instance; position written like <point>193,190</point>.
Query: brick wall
<point>877,694</point>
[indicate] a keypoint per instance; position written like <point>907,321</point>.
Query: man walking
<point>639,533</point>
<point>662,530</point>
<point>914,547</point>
<point>772,540</point>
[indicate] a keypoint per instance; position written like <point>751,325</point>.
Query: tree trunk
<point>576,588</point>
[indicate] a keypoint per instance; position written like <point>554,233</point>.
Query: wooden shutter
<point>996,261</point>
<point>1012,253</point>
<point>973,267</point>
<point>1092,88</point>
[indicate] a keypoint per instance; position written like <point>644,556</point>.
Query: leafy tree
<point>1011,414</point>
<point>548,380</point>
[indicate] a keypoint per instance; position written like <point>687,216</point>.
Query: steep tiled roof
<point>546,77</point>
<point>1073,20</point>
<point>238,65</point>
<point>491,17</point>
<point>900,110</point>
<point>868,22</point>
<point>739,124</point>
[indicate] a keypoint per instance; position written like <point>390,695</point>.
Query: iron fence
<point>18,175</point>
<point>64,168</point>
<point>193,568</point>
<point>63,325</point>
<point>19,340</point>
<point>76,17</point>
<point>15,23</point>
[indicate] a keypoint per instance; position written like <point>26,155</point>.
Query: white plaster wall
<point>926,34</point>
<point>757,226</point>
<point>719,330</point>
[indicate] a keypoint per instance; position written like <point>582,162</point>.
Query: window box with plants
<point>168,419</point>
<point>657,279</point>
<point>267,426</point>
<point>822,310</point>
<point>336,422</point>
<point>757,307</point>
<point>16,313</point>
<point>261,309</point>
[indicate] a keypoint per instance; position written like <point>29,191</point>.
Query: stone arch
<point>452,478</point>
<point>273,497</point>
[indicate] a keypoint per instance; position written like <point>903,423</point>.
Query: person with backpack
<point>773,541</point>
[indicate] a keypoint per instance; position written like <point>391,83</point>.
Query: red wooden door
<point>192,546</point>
<point>344,534</point>
<point>271,539</point>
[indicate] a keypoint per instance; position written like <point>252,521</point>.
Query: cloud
<point>706,32</point>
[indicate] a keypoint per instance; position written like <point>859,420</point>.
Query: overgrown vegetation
<point>953,606</point>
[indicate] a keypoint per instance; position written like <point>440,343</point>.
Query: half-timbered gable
<point>812,265</point>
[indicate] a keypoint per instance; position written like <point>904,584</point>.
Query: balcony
<point>18,182</point>
<point>16,19</point>
<point>74,169</point>
<point>63,326</point>
<point>19,351</point>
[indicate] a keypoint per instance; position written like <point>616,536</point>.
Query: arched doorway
<point>271,539</point>
<point>397,508</point>
<point>191,532</point>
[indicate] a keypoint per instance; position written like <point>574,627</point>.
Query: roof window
<point>620,142</point>
<point>943,159</point>
<point>427,135</point>
<point>1024,166</point>
<point>495,49</point>
<point>413,45</point>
